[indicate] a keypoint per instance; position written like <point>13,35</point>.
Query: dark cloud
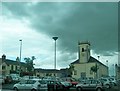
<point>18,10</point>
<point>73,22</point>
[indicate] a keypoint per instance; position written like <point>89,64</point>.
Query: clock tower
<point>84,52</point>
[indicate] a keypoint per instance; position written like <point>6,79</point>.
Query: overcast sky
<point>37,22</point>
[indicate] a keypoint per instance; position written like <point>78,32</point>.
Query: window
<point>3,67</point>
<point>93,81</point>
<point>82,49</point>
<point>23,82</point>
<point>75,72</point>
<point>16,67</point>
<point>83,74</point>
<point>31,82</point>
<point>11,67</point>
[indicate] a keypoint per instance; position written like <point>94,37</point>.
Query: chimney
<point>3,57</point>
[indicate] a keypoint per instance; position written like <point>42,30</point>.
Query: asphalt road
<point>9,87</point>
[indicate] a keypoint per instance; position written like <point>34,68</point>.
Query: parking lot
<point>8,87</point>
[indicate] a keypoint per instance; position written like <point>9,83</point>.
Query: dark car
<point>71,80</point>
<point>8,79</point>
<point>56,86</point>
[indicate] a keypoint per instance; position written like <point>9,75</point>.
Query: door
<point>22,85</point>
<point>29,85</point>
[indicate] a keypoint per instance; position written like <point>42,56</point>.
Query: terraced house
<point>8,66</point>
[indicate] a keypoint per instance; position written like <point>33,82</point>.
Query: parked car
<point>2,80</point>
<point>15,77</point>
<point>31,84</point>
<point>43,85</point>
<point>106,82</point>
<point>49,78</point>
<point>25,78</point>
<point>94,85</point>
<point>118,82</point>
<point>29,77</point>
<point>71,80</point>
<point>54,85</point>
<point>66,84</point>
<point>113,80</point>
<point>8,79</point>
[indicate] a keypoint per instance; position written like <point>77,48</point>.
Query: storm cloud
<point>72,22</point>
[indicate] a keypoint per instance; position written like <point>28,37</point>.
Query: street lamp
<point>98,74</point>
<point>20,55</point>
<point>107,67</point>
<point>20,48</point>
<point>107,62</point>
<point>55,38</point>
<point>113,70</point>
<point>98,58</point>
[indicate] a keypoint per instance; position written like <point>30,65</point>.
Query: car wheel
<point>15,88</point>
<point>79,89</point>
<point>33,90</point>
<point>107,86</point>
<point>99,89</point>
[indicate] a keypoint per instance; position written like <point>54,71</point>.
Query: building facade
<point>87,66</point>
<point>10,66</point>
<point>51,72</point>
<point>117,70</point>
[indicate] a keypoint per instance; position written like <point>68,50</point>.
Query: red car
<point>74,83</point>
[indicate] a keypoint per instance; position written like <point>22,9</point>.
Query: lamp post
<point>107,62</point>
<point>98,68</point>
<point>20,55</point>
<point>55,38</point>
<point>113,70</point>
<point>107,67</point>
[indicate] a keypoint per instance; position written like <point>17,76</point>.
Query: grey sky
<point>71,22</point>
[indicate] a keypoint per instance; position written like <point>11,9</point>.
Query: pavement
<point>5,90</point>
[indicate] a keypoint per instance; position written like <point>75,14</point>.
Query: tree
<point>71,69</point>
<point>29,62</point>
<point>94,69</point>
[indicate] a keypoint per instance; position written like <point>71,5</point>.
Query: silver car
<point>94,85</point>
<point>106,82</point>
<point>31,85</point>
<point>113,80</point>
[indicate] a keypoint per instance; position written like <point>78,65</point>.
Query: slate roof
<point>8,61</point>
<point>91,59</point>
